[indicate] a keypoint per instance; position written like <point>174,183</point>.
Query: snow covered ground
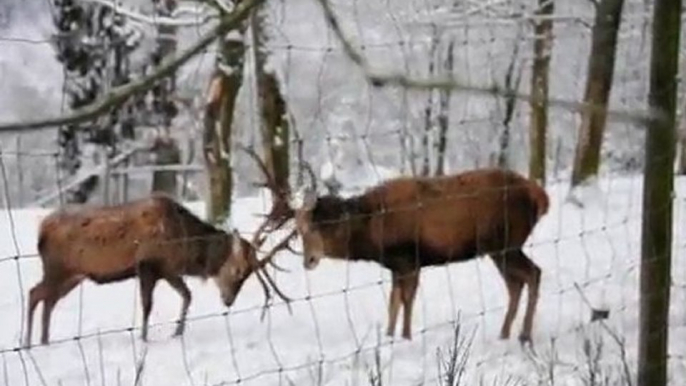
<point>339,312</point>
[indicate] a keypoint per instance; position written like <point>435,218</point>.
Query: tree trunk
<point>543,46</point>
<point>166,152</point>
<point>164,109</point>
<point>681,165</point>
<point>219,114</point>
<point>598,86</point>
<point>658,190</point>
<point>272,106</point>
<point>428,124</point>
<point>444,113</point>
<point>512,82</point>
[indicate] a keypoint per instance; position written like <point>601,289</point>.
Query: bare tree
<point>219,117</point>
<point>428,109</point>
<point>93,43</point>
<point>444,96</point>
<point>543,46</point>
<point>513,77</point>
<point>598,87</point>
<point>274,127</point>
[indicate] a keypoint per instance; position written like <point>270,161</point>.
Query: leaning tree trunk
<point>272,106</point>
<point>219,117</point>
<point>543,46</point>
<point>598,86</point>
<point>444,97</point>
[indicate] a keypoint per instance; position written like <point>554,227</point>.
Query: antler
<point>281,211</point>
<point>266,280</point>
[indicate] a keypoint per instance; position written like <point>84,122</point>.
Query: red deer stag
<point>409,223</point>
<point>152,238</point>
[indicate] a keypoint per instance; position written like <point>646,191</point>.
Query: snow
<point>339,312</point>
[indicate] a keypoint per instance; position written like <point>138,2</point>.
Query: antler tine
<point>268,260</point>
<point>251,152</point>
<point>266,280</point>
<point>259,272</point>
<point>267,293</point>
<point>283,244</point>
<point>278,292</point>
<point>257,239</point>
<point>313,176</point>
<point>279,194</point>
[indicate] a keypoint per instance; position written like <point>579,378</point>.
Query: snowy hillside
<point>339,313</point>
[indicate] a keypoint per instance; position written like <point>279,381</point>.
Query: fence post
<point>656,243</point>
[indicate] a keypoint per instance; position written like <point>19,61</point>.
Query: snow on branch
<point>379,79</point>
<point>120,94</point>
<point>153,20</point>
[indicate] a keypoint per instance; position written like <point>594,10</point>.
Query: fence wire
<point>586,324</point>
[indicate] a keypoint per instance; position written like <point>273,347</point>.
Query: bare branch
<point>450,83</point>
<point>119,95</point>
<point>219,5</point>
<point>153,20</point>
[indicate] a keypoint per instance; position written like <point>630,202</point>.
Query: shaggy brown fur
<point>152,238</point>
<point>409,223</point>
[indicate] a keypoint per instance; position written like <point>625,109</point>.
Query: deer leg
<point>518,269</point>
<point>514,288</point>
<point>409,284</point>
<point>394,304</point>
<point>531,274</point>
<point>36,295</point>
<point>177,283</point>
<point>53,293</point>
<point>148,279</point>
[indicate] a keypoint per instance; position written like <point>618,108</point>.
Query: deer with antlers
<point>152,238</point>
<point>408,223</point>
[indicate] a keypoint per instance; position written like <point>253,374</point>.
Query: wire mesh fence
<point>586,324</point>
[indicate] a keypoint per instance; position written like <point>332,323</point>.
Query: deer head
<point>236,268</point>
<point>287,205</point>
<point>242,262</point>
<point>303,203</point>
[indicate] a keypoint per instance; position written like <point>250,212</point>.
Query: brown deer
<point>405,224</point>
<point>152,238</point>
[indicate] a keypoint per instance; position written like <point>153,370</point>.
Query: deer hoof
<point>525,339</point>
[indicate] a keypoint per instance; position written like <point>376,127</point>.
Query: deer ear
<point>236,245</point>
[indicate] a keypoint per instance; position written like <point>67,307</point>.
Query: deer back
<point>465,214</point>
